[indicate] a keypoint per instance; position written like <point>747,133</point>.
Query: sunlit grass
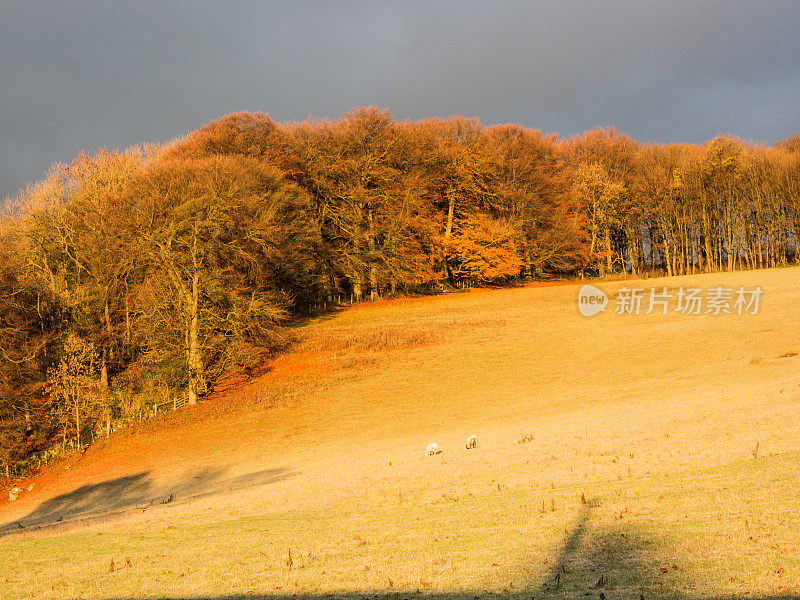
<point>693,534</point>
<point>652,455</point>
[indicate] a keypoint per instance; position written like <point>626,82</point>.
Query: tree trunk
<point>796,231</point>
<point>28,427</point>
<point>78,421</point>
<point>451,208</point>
<point>707,239</point>
<point>194,356</point>
<point>195,362</point>
<point>633,249</point>
<point>667,257</point>
<point>105,356</point>
<point>103,374</point>
<point>373,267</point>
<point>373,283</point>
<point>651,247</point>
<point>448,232</point>
<point>127,319</point>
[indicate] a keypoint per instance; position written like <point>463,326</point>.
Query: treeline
<point>125,277</point>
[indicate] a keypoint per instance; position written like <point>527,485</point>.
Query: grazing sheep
<point>433,448</point>
<point>472,442</point>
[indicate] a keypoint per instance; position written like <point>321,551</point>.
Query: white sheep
<point>472,442</point>
<point>433,448</point>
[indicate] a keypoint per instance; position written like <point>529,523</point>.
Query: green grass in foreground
<point>732,531</point>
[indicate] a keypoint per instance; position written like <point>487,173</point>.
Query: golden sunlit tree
<point>166,266</point>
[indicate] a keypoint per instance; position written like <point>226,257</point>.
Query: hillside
<point>663,424</point>
<point>129,277</point>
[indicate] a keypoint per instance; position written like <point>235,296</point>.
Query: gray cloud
<point>78,76</point>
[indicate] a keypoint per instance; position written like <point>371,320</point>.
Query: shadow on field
<point>135,492</point>
<point>607,564</point>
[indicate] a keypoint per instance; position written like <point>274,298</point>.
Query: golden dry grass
<point>653,420</point>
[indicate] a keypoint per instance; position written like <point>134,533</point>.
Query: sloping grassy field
<point>623,455</point>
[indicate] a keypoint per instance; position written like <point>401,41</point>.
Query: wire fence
<point>173,404</point>
<point>36,461</point>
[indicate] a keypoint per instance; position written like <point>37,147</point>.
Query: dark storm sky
<point>76,76</point>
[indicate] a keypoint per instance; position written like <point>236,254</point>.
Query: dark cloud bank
<point>77,76</point>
